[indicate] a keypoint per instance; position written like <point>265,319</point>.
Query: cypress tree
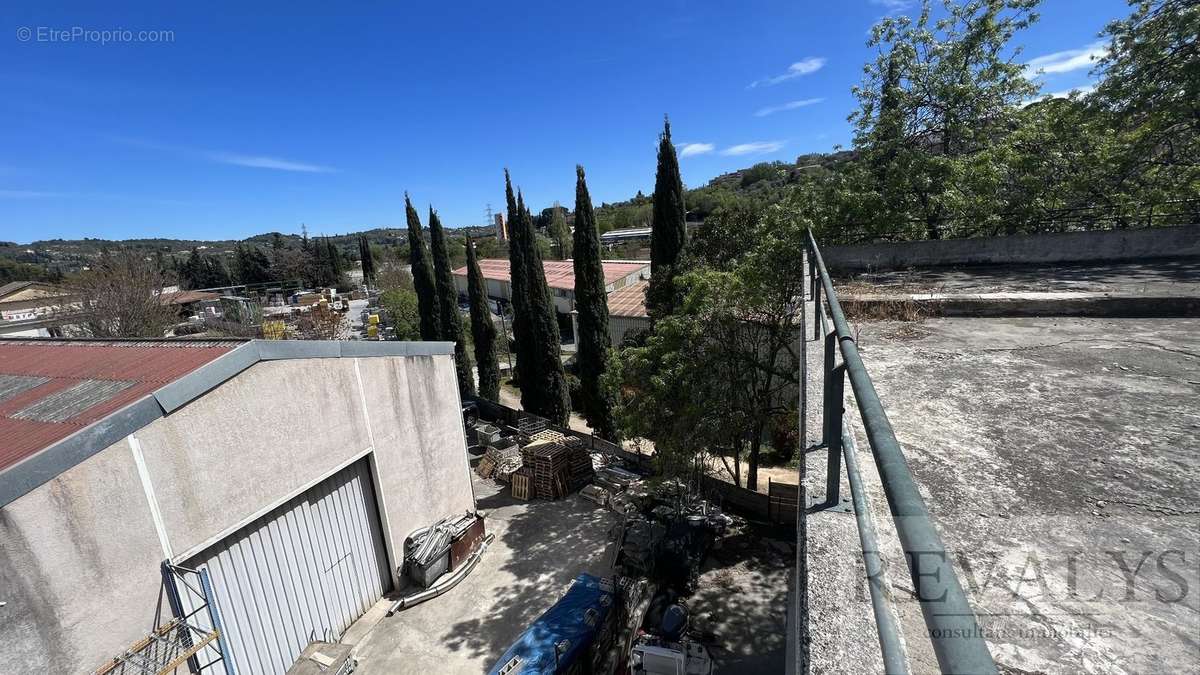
<point>553,398</point>
<point>447,295</point>
<point>668,235</point>
<point>368,262</point>
<point>422,274</point>
<point>525,365</point>
<point>482,329</point>
<point>591,302</point>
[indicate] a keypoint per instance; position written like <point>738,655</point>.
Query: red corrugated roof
<point>147,365</point>
<point>629,301</point>
<point>559,273</point>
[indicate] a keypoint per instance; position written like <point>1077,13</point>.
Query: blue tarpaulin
<point>563,634</point>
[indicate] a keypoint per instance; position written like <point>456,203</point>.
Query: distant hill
<point>764,182</point>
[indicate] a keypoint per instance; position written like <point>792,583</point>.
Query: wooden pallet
<point>521,486</point>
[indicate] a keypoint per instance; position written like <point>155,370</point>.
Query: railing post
<point>816,293</point>
<point>835,380</point>
<point>830,355</point>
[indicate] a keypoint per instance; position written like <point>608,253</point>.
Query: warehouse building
<point>627,314</point>
<point>560,277</point>
<point>264,487</point>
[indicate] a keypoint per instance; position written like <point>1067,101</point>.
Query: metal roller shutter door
<point>304,571</point>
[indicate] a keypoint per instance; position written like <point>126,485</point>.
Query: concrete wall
<point>80,555</point>
<point>79,568</point>
<point>1109,245</point>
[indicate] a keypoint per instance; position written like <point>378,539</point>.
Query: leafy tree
<point>669,234</point>
<point>483,330</point>
<point>560,234</point>
<point>447,296</point>
<point>1150,98</point>
<point>422,274</point>
<point>936,105</point>
<point>591,302</point>
<point>716,376</point>
<point>403,311</point>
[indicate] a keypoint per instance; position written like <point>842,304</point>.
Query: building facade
<point>287,474</point>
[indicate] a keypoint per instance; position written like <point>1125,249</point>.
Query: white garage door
<point>304,571</point>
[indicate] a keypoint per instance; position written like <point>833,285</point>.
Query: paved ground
<point>1061,461</point>
<point>539,549</point>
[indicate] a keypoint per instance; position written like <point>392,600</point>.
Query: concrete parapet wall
<point>1061,247</point>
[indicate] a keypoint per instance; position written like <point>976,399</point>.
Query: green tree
<point>526,361</point>
<point>204,271</point>
<point>253,266</point>
<point>543,381</point>
<point>717,375</point>
<point>935,109</point>
<point>447,296</point>
<point>669,234</point>
<point>422,274</point>
<point>483,330</point>
<point>591,303</point>
<point>403,311</point>
<point>1149,98</point>
<point>367,259</point>
<point>559,233</point>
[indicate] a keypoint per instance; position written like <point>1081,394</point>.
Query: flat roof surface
<point>49,389</point>
<point>629,301</point>
<point>559,273</point>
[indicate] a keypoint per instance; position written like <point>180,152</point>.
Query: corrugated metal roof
<point>628,301</point>
<point>57,387</point>
<point>559,273</point>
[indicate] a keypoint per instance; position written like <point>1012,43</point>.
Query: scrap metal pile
<point>666,535</point>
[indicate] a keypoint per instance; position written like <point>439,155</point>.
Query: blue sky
<point>261,116</point>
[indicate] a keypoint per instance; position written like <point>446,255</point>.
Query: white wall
<point>80,555</point>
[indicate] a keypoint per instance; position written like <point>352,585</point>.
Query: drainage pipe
<point>444,584</point>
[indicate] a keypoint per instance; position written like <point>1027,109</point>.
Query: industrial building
<point>560,277</point>
<point>264,487</point>
<point>627,312</point>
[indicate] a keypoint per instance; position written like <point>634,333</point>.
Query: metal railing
<point>953,632</point>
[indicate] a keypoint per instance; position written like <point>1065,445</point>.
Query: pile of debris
<point>538,462</point>
<point>432,551</point>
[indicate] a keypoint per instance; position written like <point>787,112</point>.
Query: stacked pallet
<point>580,464</point>
<point>522,484</point>
<point>550,464</point>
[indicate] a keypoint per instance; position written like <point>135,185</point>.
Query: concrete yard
<point>1061,462</point>
<point>540,547</point>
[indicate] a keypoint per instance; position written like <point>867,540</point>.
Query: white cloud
<point>894,5</point>
<point>232,158</point>
<point>806,66</point>
<point>790,105</point>
<point>690,149</point>
<point>755,148</point>
<point>1066,61</point>
<point>258,162</point>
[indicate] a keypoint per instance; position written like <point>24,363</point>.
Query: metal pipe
<point>955,635</point>
<point>895,657</point>
<point>442,585</point>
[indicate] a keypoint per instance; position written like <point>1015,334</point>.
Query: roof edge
<point>56,458</point>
